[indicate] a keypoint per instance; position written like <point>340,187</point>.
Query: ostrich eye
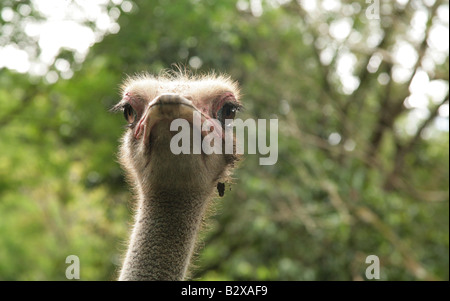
<point>129,113</point>
<point>228,111</point>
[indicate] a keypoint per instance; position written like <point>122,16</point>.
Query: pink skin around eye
<point>226,96</point>
<point>216,108</point>
<point>138,106</point>
<point>136,103</point>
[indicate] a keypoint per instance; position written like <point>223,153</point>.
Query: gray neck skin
<point>163,236</point>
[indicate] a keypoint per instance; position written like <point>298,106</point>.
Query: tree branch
<point>403,149</point>
<point>395,108</point>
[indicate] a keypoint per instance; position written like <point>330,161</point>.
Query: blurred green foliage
<point>317,214</point>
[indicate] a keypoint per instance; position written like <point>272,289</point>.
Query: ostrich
<point>172,191</point>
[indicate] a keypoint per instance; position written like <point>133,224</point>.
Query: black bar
<point>214,290</point>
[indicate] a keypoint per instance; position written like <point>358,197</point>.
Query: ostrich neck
<point>164,234</point>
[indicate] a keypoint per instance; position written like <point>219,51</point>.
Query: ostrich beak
<point>170,107</point>
<point>166,106</point>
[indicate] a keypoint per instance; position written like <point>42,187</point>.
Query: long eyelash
<point>236,105</point>
<point>233,103</point>
<point>118,108</point>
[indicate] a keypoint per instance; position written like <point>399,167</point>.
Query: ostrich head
<point>149,105</point>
